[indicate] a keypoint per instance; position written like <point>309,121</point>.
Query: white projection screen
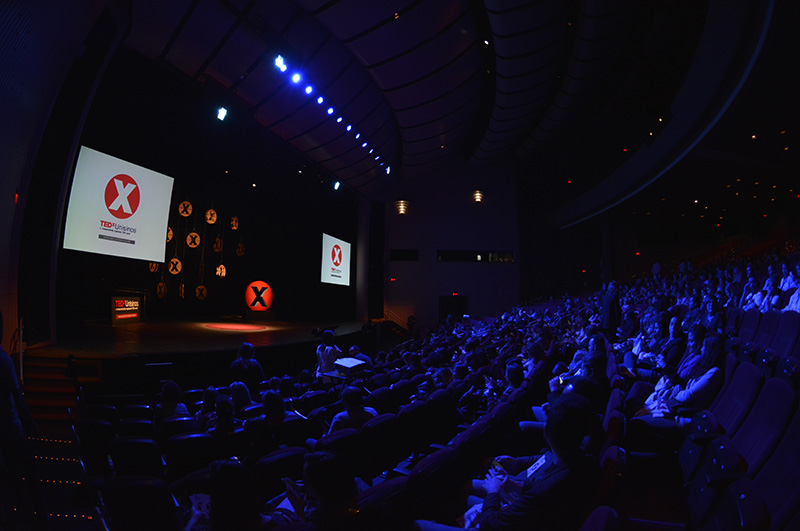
<point>117,208</point>
<point>335,261</point>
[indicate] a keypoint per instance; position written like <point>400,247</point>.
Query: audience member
<point>327,354</point>
<point>245,368</point>
<point>355,414</point>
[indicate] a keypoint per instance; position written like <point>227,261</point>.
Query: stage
<point>101,340</point>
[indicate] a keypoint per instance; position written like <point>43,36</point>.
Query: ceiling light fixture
<point>477,196</point>
<point>401,206</point>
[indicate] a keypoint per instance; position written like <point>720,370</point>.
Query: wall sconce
<point>477,196</point>
<point>401,206</point>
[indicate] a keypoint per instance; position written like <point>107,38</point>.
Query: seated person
<point>240,395</point>
<point>644,366</point>
<point>547,491</point>
<point>355,352</point>
<point>328,492</point>
<point>355,414</point>
<point>235,503</point>
<point>171,404</point>
<point>207,410</point>
<point>658,421</point>
<point>274,408</point>
<point>245,368</point>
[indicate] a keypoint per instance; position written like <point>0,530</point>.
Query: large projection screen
<point>117,208</point>
<point>335,261</point>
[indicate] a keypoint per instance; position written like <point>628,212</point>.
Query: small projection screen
<point>117,208</point>
<point>335,261</point>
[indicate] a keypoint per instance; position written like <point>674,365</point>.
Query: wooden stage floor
<point>150,338</point>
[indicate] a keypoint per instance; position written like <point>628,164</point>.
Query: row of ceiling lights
<point>296,77</point>
<point>401,206</point>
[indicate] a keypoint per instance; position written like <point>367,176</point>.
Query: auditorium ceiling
<point>395,91</point>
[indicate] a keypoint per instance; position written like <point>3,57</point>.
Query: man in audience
<point>245,368</point>
<point>355,414</point>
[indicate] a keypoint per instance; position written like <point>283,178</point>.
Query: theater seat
<point>603,518</point>
<point>726,417</point>
<point>745,452</point>
<point>136,503</point>
<point>137,456</point>
<point>189,452</point>
<point>287,462</point>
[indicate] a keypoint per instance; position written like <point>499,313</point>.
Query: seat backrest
<point>762,429</point>
<point>767,328</point>
<point>125,498</point>
<point>750,321</point>
<point>603,518</point>
<point>133,455</point>
<point>737,400</point>
<point>283,463</point>
<point>733,320</point>
<point>382,400</point>
<point>777,480</point>
<point>731,362</point>
<point>786,334</point>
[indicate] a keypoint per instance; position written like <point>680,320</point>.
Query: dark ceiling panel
<point>237,55</point>
<point>198,38</point>
<point>349,18</point>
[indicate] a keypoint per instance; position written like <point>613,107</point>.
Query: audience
<point>563,356</point>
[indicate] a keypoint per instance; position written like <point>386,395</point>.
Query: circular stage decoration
<point>200,292</point>
<point>240,250</point>
<point>161,290</point>
<point>258,296</point>
<point>221,271</point>
<point>235,327</point>
<point>211,216</point>
<point>185,209</point>
<point>218,245</point>
<point>193,240</point>
<point>169,234</point>
<point>234,223</point>
<point>175,266</point>
<point>153,267</point>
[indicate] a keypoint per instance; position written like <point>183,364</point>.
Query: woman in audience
<point>240,395</point>
<point>327,354</point>
<point>208,410</point>
<point>658,422</point>
<point>274,409</point>
<point>171,404</point>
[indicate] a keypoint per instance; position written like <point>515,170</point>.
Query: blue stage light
<point>349,127</point>
<point>295,78</point>
<point>371,150</point>
<point>364,145</point>
<point>388,170</point>
<point>222,112</point>
<point>320,100</point>
<point>309,89</point>
<point>336,185</point>
<point>358,135</point>
<point>339,120</point>
<point>280,63</point>
<point>330,110</point>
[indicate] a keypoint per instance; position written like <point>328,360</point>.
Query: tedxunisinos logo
<point>122,196</point>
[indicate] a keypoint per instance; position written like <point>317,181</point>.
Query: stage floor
<point>130,340</point>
